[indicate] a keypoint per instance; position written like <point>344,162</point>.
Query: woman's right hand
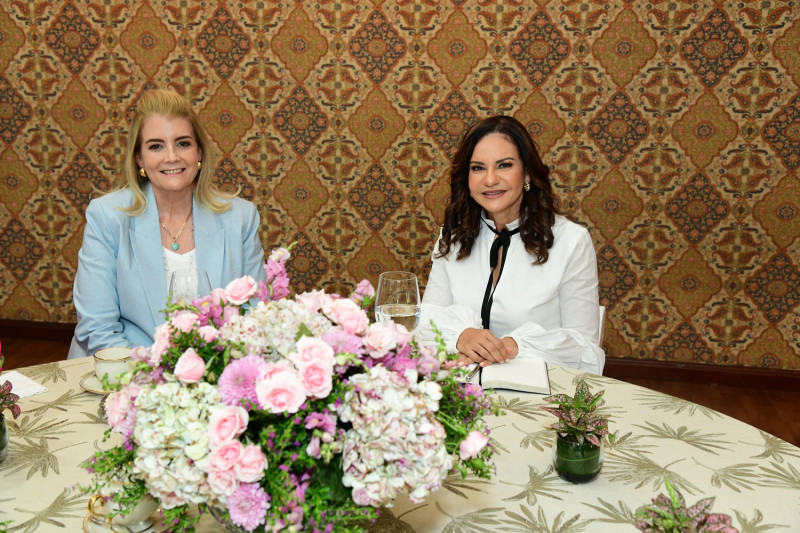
<point>481,346</point>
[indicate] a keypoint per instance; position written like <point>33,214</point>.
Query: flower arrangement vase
<point>3,438</point>
<point>577,462</point>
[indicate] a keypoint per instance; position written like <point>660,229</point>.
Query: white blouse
<point>551,310</point>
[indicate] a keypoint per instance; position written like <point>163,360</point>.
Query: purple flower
<point>238,380</point>
<point>325,421</point>
<point>248,505</point>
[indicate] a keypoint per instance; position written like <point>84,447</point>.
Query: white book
<point>523,374</point>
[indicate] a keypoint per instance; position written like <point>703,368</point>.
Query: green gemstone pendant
<point>174,246</point>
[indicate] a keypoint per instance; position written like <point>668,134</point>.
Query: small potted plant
<point>8,400</point>
<point>580,433</point>
<point>669,514</point>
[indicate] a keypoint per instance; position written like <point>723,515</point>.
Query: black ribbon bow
<point>503,240</point>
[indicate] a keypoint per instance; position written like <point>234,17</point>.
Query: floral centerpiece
<point>278,413</point>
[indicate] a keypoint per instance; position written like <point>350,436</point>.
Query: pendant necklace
<point>175,246</point>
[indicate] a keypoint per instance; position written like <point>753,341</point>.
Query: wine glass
<point>187,284</point>
<point>397,299</point>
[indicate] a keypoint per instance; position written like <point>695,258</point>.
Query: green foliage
<point>669,514</point>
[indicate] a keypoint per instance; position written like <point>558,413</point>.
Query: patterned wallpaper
<point>673,129</point>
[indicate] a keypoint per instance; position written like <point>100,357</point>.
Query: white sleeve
<point>576,343</point>
<point>437,307</point>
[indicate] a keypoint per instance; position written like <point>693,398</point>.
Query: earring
<point>199,165</point>
<point>142,173</point>
<point>526,186</point>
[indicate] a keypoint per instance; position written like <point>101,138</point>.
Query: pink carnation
<point>184,321</point>
<point>161,343</point>
<point>208,333</point>
<point>472,445</point>
<point>120,410</point>
<point>241,290</point>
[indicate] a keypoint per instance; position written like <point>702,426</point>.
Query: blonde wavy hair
<point>171,104</point>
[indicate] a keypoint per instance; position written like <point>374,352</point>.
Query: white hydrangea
<point>396,445</point>
<point>269,329</point>
<point>172,436</point>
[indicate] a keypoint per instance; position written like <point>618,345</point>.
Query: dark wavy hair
<point>537,214</point>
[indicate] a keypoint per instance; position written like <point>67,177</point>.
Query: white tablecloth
<point>754,476</point>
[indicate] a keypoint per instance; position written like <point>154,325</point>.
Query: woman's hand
<point>481,346</point>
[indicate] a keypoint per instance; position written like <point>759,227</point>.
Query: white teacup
<point>138,519</point>
<point>112,362</point>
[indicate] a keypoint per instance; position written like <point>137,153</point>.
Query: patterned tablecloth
<point>754,476</point>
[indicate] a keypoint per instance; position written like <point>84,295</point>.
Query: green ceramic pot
<point>577,463</point>
<point>3,438</point>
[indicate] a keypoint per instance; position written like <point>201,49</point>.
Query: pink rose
<point>317,379</point>
<point>472,445</point>
<point>400,332</point>
<point>250,466</point>
<point>347,314</point>
<point>190,367</point>
<point>379,339</point>
<point>221,481</point>
<point>208,333</point>
<point>224,456</point>
<point>312,350</point>
<point>282,392</point>
<point>241,290</point>
<point>314,300</point>
<point>184,321</point>
<point>226,423</point>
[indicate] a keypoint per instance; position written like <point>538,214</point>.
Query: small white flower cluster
<point>172,436</point>
<point>396,445</point>
<point>270,328</point>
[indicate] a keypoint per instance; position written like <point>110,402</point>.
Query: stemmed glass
<point>187,284</point>
<point>397,299</point>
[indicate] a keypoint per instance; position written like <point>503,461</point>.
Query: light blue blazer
<point>120,287</point>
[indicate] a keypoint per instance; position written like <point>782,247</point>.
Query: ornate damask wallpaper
<point>673,129</point>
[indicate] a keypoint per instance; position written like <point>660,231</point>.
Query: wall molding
<point>617,368</point>
<point>706,374</point>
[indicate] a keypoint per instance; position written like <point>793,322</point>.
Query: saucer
<point>91,384</point>
<point>90,526</point>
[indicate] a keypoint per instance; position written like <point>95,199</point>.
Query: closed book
<point>523,374</point>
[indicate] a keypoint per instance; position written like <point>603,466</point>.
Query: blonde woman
<point>164,215</point>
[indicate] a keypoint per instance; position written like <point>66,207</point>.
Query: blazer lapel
<point>209,245</point>
<point>145,237</point>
